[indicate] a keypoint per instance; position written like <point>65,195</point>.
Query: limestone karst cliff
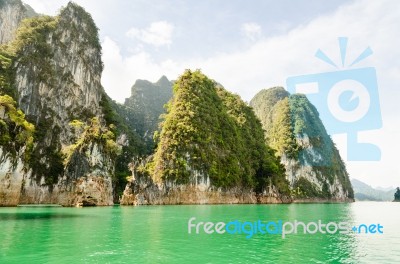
<point>293,128</point>
<point>146,104</point>
<point>63,140</point>
<point>210,149</point>
<point>11,14</point>
<point>53,69</point>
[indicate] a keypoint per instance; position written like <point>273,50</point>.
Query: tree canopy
<point>210,132</point>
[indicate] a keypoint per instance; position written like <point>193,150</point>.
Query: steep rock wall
<point>314,168</point>
<point>141,190</point>
<point>12,175</point>
<point>11,14</point>
<point>57,65</point>
<point>86,182</point>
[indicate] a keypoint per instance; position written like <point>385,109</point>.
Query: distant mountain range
<point>364,192</point>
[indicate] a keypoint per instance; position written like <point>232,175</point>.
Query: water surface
<point>159,234</point>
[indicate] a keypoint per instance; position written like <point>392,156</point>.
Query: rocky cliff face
<point>142,190</point>
<point>86,182</point>
<point>64,141</point>
<point>292,127</point>
<point>11,14</point>
<point>145,106</point>
<point>210,149</point>
<point>56,75</point>
<point>16,142</point>
<point>12,175</point>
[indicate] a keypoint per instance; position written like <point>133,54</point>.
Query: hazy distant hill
<point>145,105</point>
<point>385,189</point>
<point>364,192</point>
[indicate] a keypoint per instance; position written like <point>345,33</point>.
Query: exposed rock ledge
<point>143,191</point>
<point>134,194</point>
<point>90,184</point>
<point>324,200</point>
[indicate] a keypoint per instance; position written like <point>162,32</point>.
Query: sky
<point>248,46</point>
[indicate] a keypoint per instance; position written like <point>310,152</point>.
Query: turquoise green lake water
<point>159,234</point>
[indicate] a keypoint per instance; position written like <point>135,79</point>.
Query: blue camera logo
<point>347,101</point>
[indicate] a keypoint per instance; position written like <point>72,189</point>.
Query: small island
<point>397,195</point>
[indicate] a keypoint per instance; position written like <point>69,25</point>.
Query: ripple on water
<point>158,234</point>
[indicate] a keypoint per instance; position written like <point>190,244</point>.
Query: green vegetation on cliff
<point>132,144</point>
<point>280,134</point>
<point>15,131</point>
<point>30,48</point>
<point>32,35</point>
<point>34,31</point>
<point>293,128</point>
<point>208,132</point>
<point>264,101</point>
<point>7,74</point>
<point>306,124</point>
<point>205,132</point>
<point>93,132</point>
<point>135,123</point>
<point>272,108</point>
<point>40,43</point>
<point>81,18</point>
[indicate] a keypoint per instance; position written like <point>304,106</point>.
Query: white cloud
<point>252,31</point>
<point>120,73</point>
<point>268,62</point>
<point>48,7</point>
<point>157,34</point>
